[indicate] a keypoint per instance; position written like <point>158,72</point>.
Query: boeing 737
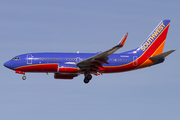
<point>70,65</point>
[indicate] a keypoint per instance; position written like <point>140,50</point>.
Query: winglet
<point>122,41</point>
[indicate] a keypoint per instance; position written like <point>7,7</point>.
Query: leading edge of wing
<point>103,57</point>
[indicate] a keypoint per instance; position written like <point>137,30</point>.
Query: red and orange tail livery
<point>154,45</point>
<point>70,65</point>
<point>155,41</point>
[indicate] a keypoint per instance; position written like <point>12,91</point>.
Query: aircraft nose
<point>7,64</point>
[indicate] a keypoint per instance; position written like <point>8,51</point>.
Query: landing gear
<point>87,78</point>
<point>24,77</point>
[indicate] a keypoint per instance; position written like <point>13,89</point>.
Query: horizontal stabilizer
<point>161,56</point>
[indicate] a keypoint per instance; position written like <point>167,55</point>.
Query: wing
<point>96,61</point>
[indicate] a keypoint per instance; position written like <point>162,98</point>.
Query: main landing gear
<point>87,78</point>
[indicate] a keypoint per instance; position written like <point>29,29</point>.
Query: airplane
<point>70,65</point>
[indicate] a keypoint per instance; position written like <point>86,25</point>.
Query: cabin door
<point>135,61</point>
<point>29,59</point>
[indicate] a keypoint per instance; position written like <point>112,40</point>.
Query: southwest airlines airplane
<point>70,65</point>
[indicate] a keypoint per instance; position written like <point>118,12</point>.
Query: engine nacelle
<point>67,70</point>
<point>65,76</point>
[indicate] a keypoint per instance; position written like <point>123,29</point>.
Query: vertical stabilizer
<point>154,43</point>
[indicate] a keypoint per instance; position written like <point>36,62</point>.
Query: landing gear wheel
<point>24,77</point>
<point>87,78</point>
<point>86,81</point>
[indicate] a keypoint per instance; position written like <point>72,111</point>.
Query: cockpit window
<point>16,58</point>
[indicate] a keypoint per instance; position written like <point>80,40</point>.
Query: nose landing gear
<point>21,72</point>
<point>24,77</point>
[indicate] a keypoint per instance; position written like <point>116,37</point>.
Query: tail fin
<point>153,46</point>
<point>154,43</point>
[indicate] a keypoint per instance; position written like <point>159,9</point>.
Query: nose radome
<point>7,64</point>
